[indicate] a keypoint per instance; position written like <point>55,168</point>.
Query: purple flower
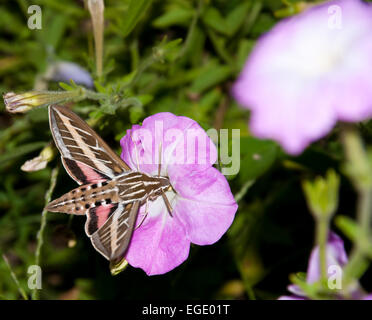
<point>203,205</point>
<point>336,257</point>
<point>309,72</point>
<point>66,71</point>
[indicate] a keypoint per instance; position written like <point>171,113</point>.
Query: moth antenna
<point>135,147</point>
<point>167,203</point>
<point>160,153</point>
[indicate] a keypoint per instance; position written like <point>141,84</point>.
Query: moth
<point>110,192</point>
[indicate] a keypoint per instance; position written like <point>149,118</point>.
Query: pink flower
<point>309,72</point>
<point>203,205</point>
<point>336,257</point>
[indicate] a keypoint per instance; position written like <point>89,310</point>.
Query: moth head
<point>164,183</point>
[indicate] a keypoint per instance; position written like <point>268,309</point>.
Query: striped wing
<point>86,157</point>
<point>113,237</point>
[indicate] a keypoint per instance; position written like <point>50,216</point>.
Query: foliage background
<point>273,232</point>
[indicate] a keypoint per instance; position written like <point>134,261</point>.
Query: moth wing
<point>113,237</point>
<point>80,144</point>
<point>82,173</point>
<point>97,216</point>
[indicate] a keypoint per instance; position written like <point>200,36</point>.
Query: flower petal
<point>291,298</point>
<point>205,203</point>
<point>203,206</point>
<point>181,140</point>
<point>66,71</point>
<point>296,290</point>
<point>160,243</point>
<point>336,256</point>
<point>307,73</point>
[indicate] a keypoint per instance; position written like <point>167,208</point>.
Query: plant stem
<point>321,239</point>
<point>15,279</point>
<point>40,234</point>
<point>360,173</point>
<point>92,95</point>
<point>241,193</point>
<point>358,262</point>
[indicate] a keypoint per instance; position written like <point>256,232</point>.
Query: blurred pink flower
<point>336,256</point>
<point>309,72</point>
<point>203,205</point>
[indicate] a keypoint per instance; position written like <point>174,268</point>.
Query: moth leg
<point>145,215</point>
<point>167,203</point>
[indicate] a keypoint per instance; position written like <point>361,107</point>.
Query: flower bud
<point>41,161</point>
<point>96,9</point>
<point>23,102</point>
<point>322,194</point>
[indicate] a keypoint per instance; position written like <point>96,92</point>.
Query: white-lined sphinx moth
<point>110,192</point>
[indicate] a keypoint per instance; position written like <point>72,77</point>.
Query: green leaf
<point>145,99</point>
<point>257,156</point>
<point>236,17</point>
<point>348,226</point>
<point>177,16</point>
<point>263,24</point>
<point>245,47</point>
<point>210,77</point>
<point>213,18</point>
<point>99,87</point>
<point>55,31</point>
<point>135,11</point>
<point>136,113</point>
<point>65,86</point>
<point>352,231</point>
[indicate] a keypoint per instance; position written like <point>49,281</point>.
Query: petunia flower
<point>66,71</point>
<point>309,72</point>
<point>336,257</point>
<point>203,206</point>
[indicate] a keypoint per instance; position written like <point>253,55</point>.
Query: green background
<point>186,55</point>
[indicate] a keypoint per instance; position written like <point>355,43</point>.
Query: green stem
<point>142,67</point>
<point>321,239</point>
<point>358,262</point>
<point>15,279</point>
<point>92,95</point>
<point>40,234</point>
<point>241,193</point>
<point>360,173</point>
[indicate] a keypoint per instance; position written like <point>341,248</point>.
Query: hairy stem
<point>15,279</point>
<point>40,234</point>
